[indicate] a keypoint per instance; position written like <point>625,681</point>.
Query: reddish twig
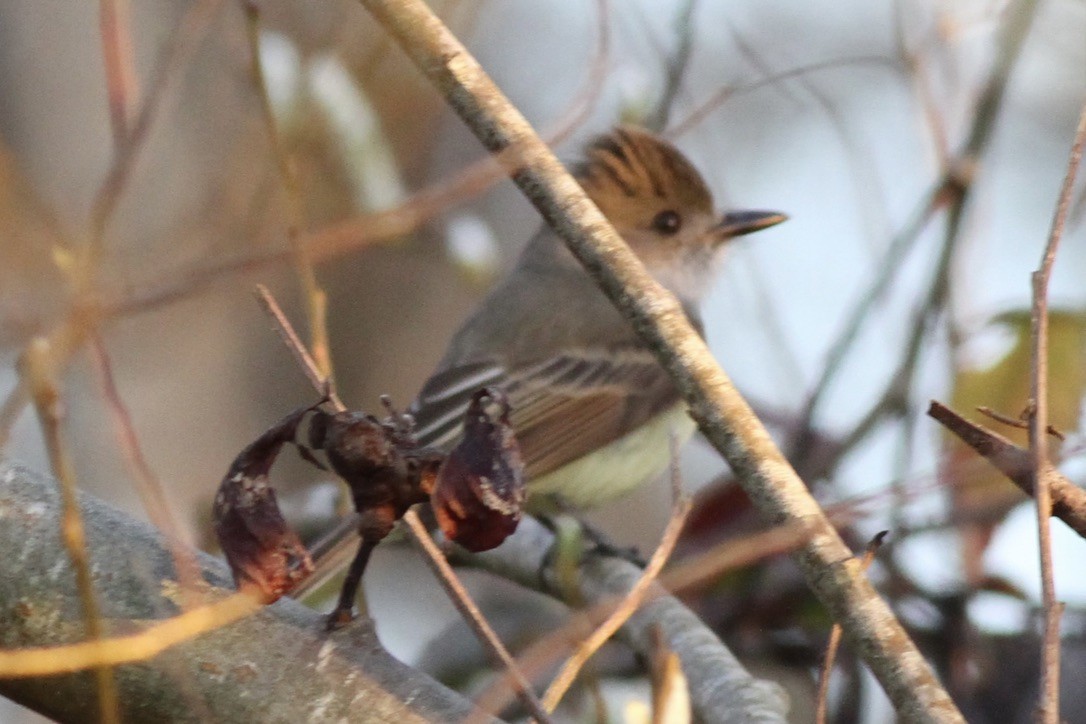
<point>121,90</point>
<point>148,485</point>
<point>183,43</point>
<point>726,93</point>
<point>472,615</point>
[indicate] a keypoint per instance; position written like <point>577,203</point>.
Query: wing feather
<point>562,408</point>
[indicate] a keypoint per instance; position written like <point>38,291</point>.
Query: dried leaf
<point>479,493</point>
<point>261,548</point>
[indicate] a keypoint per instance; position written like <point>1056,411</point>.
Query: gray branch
<point>277,665</point>
<point>721,690</point>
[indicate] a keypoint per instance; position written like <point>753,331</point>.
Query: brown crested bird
<point>592,409</point>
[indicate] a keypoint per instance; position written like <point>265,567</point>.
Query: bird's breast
<point>616,469</point>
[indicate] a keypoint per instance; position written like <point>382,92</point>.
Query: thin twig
<point>824,680</point>
<point>330,553</point>
<point>116,650</point>
<point>290,338</point>
<point>835,638</point>
<point>148,485</point>
<point>472,615</point>
<point>415,527</point>
<point>38,368</point>
<point>1068,500</point>
<point>914,60</point>
<point>183,43</point>
<point>1018,423</point>
<point>727,93</point>
<point>114,25</point>
<point>677,66</point>
<point>316,300</point>
<point>1048,703</point>
<point>630,603</point>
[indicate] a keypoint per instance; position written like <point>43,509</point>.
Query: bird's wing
<point>562,408</point>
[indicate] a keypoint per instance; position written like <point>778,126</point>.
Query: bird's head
<point>661,206</point>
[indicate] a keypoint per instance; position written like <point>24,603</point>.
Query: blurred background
<point>918,147</point>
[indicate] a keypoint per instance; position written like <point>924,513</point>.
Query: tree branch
<point>1049,704</point>
<point>724,417</point>
<point>721,689</point>
<point>1068,500</point>
<point>277,664</point>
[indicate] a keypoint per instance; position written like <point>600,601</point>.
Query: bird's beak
<point>738,223</point>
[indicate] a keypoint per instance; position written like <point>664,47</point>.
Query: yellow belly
<point>612,471</point>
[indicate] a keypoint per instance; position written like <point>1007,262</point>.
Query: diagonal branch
<point>1068,500</point>
<point>724,417</point>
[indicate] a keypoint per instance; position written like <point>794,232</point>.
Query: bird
<point>592,410</point>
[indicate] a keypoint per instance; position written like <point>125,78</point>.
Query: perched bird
<point>592,410</point>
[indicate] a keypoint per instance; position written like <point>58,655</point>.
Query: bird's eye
<point>667,222</point>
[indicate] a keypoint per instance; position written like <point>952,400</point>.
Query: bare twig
<point>676,66</point>
<point>835,638</point>
<point>148,485</point>
<point>38,368</point>
<point>630,603</point>
<point>113,651</point>
<point>290,338</point>
<point>1012,422</point>
<point>824,677</point>
<point>724,417</point>
<point>914,61</point>
<point>726,93</point>
<point>316,300</point>
<point>1048,704</point>
<point>472,615</point>
<point>415,527</point>
<point>1068,500</point>
<point>183,43</point>
<point>114,25</point>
